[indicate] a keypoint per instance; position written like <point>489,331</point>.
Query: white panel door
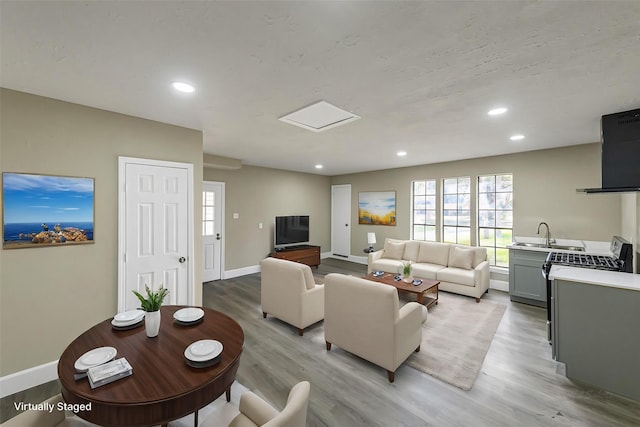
<point>341,220</point>
<point>156,233</point>
<point>212,226</point>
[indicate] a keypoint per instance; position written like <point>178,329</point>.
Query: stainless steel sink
<point>552,246</point>
<point>530,245</point>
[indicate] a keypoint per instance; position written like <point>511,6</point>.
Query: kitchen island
<point>596,327</point>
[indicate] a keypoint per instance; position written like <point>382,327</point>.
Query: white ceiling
<point>421,75</point>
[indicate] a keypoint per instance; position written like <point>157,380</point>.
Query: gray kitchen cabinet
<point>596,335</point>
<point>526,283</point>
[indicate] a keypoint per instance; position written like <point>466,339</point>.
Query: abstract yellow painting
<point>377,208</point>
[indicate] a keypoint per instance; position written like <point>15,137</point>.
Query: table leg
<point>195,419</point>
<point>228,394</point>
<point>419,298</point>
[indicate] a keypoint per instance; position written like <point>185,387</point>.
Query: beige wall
<point>50,295</point>
<point>258,195</point>
<point>545,184</point>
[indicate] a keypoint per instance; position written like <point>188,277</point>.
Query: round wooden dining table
<point>162,387</point>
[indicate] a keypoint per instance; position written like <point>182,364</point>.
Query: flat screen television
<point>291,230</point>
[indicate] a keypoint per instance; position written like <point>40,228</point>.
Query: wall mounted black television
<point>291,230</point>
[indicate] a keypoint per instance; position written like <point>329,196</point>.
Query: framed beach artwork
<point>46,210</point>
<point>377,208</point>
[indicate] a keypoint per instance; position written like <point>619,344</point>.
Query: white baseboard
<point>22,380</point>
<point>352,258</point>
<point>230,274</point>
<point>499,285</point>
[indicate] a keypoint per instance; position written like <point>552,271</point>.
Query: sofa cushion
<point>393,250</point>
<point>426,271</point>
<point>434,253</point>
<point>456,275</point>
<point>479,254</point>
<point>411,250</point>
<point>389,265</point>
<point>461,258</point>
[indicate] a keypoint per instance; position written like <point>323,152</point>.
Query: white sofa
<point>460,269</point>
<point>289,292</point>
<point>364,318</point>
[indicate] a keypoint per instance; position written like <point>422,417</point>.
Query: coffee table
<point>426,292</point>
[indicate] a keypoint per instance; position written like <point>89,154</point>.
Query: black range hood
<point>620,153</point>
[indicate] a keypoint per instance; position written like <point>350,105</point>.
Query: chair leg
<point>417,349</point>
<point>328,345</point>
<point>300,331</point>
<point>477,299</point>
<point>391,376</point>
<point>264,314</point>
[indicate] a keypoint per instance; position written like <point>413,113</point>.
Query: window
<point>495,216</point>
<point>456,210</point>
<point>423,214</point>
<point>208,219</point>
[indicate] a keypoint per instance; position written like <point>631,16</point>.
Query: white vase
<point>152,323</point>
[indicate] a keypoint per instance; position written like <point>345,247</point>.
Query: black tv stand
<point>305,254</point>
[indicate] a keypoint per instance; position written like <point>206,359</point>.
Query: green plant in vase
<point>151,306</point>
<point>406,271</point>
<point>154,299</point>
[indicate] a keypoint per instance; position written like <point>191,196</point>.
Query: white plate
<point>203,350</point>
<point>95,357</point>
<point>114,322</point>
<point>128,316</point>
<point>190,314</point>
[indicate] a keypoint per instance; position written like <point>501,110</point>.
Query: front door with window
<point>212,221</point>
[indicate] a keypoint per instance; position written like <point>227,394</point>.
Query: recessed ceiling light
<point>318,166</point>
<point>497,111</point>
<point>183,87</point>
<point>401,153</point>
<point>516,137</point>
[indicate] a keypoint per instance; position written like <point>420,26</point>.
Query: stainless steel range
<point>597,262</point>
<point>622,260</point>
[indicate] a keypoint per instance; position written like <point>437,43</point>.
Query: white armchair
<point>289,292</point>
<point>363,317</point>
<point>256,412</point>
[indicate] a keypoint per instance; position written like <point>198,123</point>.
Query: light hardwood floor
<point>519,384</point>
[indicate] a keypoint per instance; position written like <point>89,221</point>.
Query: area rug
<point>456,338</point>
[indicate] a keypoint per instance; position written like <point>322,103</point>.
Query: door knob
<point>182,259</point>
<point>217,236</point>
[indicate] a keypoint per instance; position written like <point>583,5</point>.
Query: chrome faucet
<point>548,238</point>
